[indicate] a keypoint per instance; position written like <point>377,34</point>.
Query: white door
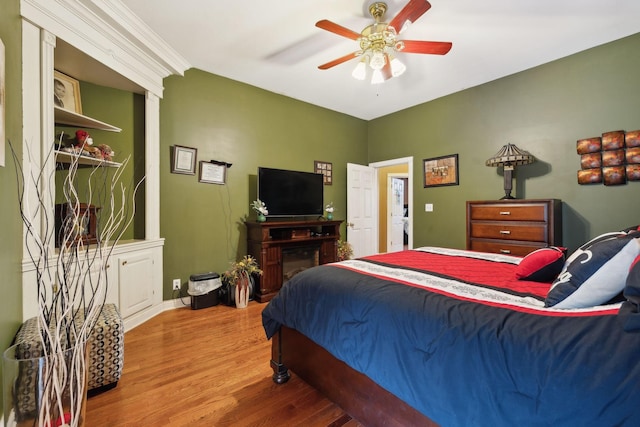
<point>395,210</point>
<point>362,210</point>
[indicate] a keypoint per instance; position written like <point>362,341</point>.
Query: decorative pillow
<point>629,313</point>
<point>542,265</point>
<point>630,229</point>
<point>595,273</point>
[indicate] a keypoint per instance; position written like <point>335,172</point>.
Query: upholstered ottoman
<point>105,351</point>
<point>105,348</point>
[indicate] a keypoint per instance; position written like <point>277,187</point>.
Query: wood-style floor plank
<point>207,367</point>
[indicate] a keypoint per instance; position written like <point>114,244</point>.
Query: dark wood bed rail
<point>354,392</point>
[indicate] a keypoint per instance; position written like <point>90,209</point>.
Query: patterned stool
<point>105,351</point>
<point>105,348</point>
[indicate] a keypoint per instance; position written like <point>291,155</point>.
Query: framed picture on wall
<point>66,92</point>
<point>326,169</point>
<point>439,171</point>
<point>213,172</point>
<point>183,160</point>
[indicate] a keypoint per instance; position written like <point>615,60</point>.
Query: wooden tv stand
<point>270,242</point>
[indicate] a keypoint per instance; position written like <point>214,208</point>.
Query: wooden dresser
<point>513,227</point>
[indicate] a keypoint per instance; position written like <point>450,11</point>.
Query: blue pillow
<point>629,313</point>
<point>596,272</point>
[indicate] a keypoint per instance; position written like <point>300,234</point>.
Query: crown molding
<point>110,33</point>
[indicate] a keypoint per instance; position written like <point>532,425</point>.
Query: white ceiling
<point>276,46</point>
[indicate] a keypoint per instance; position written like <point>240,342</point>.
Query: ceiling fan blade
<point>337,29</point>
<point>411,12</point>
<point>337,61</point>
<point>419,46</point>
<point>386,70</point>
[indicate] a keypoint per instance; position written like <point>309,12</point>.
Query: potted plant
<point>345,251</point>
<point>329,210</point>
<point>239,275</point>
<point>261,210</point>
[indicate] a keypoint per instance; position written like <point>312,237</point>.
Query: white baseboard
<point>150,312</point>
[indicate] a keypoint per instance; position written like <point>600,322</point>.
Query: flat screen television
<point>290,193</point>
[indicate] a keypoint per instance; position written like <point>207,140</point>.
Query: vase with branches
<point>239,275</point>
<point>71,282</point>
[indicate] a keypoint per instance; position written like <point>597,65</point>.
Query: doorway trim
<point>401,161</point>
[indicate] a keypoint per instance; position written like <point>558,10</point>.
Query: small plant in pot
<point>239,276</point>
<point>345,251</point>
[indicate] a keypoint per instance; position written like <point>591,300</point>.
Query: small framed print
<point>590,176</point>
<point>183,160</point>
<point>591,160</point>
<point>613,158</point>
<point>66,92</point>
<point>440,171</point>
<point>614,175</point>
<point>326,169</point>
<point>212,172</point>
<point>589,145</point>
<point>633,172</point>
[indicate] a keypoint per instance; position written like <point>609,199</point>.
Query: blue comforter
<point>467,351</point>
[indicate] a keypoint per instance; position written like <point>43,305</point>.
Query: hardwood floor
<point>207,367</point>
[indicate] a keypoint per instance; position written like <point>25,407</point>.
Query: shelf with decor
<point>66,117</point>
<point>65,158</point>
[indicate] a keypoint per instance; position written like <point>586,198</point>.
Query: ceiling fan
<point>379,42</point>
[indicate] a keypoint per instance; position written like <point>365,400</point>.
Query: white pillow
<point>596,272</point>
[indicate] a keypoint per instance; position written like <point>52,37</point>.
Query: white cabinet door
<point>135,279</point>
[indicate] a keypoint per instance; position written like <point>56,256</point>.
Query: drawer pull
<point>505,251</point>
<point>505,232</point>
<point>505,213</point>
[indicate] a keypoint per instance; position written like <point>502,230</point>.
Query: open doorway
<point>394,168</point>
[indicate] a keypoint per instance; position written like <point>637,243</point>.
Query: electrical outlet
<point>176,284</point>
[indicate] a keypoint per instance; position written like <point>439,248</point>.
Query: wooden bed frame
<point>354,392</point>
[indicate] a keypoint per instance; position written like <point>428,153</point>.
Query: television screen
<point>291,193</point>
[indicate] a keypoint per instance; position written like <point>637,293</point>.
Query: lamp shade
<point>510,155</point>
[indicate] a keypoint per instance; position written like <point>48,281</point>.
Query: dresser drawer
<point>506,248</point>
<point>514,227</point>
<point>534,212</point>
<point>509,231</point>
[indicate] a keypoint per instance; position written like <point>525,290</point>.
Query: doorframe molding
<point>390,177</point>
<point>400,161</point>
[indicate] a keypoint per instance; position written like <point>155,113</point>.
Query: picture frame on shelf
<point>66,92</point>
<point>213,172</point>
<point>440,171</point>
<point>183,160</point>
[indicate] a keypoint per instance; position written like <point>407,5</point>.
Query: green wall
<point>247,127</point>
<point>11,230</point>
<point>544,110</point>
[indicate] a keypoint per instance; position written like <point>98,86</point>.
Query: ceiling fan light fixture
<point>397,67</point>
<point>377,60</point>
<point>379,41</point>
<point>360,72</point>
<point>377,77</point>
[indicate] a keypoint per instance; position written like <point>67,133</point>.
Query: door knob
<point>350,224</point>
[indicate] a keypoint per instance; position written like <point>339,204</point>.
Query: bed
<point>448,337</point>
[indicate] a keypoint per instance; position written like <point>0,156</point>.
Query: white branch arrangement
<point>72,280</point>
